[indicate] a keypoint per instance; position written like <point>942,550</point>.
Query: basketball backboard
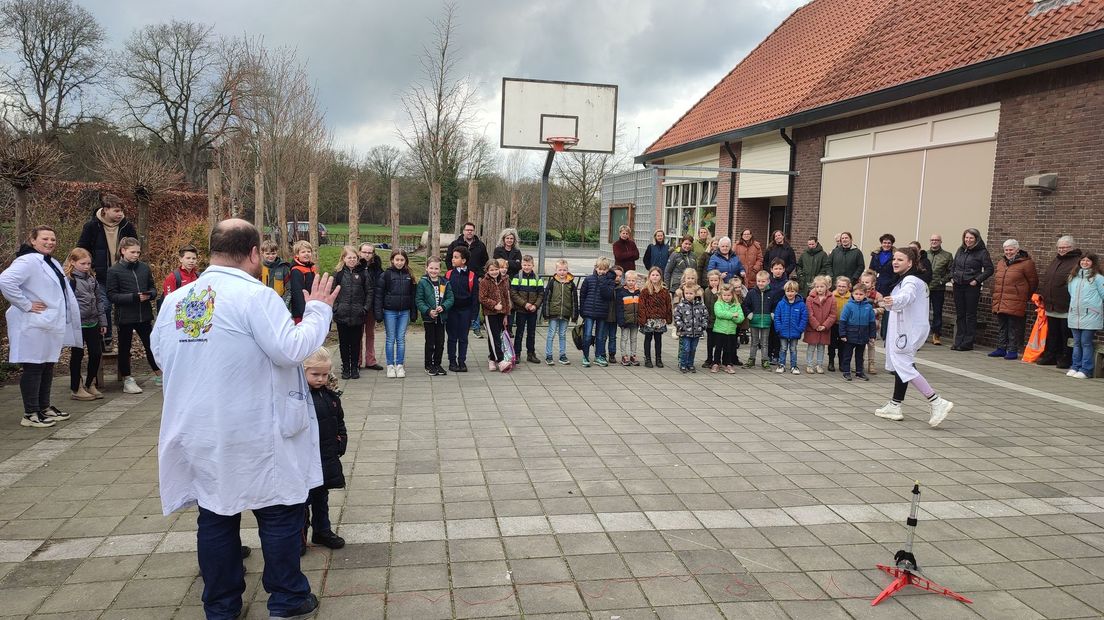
<point>535,110</point>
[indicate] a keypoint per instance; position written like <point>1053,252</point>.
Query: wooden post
<point>235,199</point>
<point>354,214</point>
<point>514,209</point>
<point>394,214</point>
<point>281,217</point>
<point>312,209</point>
<point>143,220</point>
<point>258,202</point>
<point>475,214</point>
<point>433,242</point>
<point>214,197</point>
<point>486,227</point>
<point>458,221</point>
<point>502,221</point>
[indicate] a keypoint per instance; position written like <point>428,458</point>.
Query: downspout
<point>789,183</point>
<point>731,192</point>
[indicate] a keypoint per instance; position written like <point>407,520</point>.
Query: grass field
<point>328,255</point>
<point>376,229</point>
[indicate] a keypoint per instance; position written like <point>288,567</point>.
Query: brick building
<point>907,118</point>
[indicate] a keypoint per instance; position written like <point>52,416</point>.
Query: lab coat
<point>238,428</point>
<point>37,337</point>
<point>908,327</point>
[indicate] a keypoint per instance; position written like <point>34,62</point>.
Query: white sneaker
<point>795,371</point>
<point>1071,372</point>
<point>780,370</point>
<point>1079,375</point>
<point>940,407</point>
<point>36,420</point>
<point>400,372</point>
<point>890,411</point>
<point>390,371</point>
<point>130,386</point>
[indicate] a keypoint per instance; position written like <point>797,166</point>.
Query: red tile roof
<point>833,50</point>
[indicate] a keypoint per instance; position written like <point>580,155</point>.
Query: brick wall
<point>725,187</point>
<point>1049,122</point>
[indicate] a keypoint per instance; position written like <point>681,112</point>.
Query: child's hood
<point>567,278</point>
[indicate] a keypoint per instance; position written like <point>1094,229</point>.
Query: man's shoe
<point>940,407</point>
<point>328,539</point>
<point>795,371</point>
<point>998,353</point>
<point>53,413</point>
<point>564,360</point>
<point>809,370</point>
<point>453,367</point>
<point>374,367</point>
<point>683,370</point>
<point>532,358</point>
<point>130,386</point>
<point>1012,355</point>
<point>36,420</point>
<point>158,380</point>
<point>302,612</point>
<point>890,411</point>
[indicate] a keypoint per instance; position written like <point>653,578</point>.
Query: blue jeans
<point>556,327</point>
<point>218,542</point>
<point>687,348</point>
<point>789,345</point>
<point>395,322</point>
<point>101,292</point>
<point>1083,355</point>
<point>594,332</point>
<point>475,324</point>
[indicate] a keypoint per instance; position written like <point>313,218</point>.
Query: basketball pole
<point>543,232</point>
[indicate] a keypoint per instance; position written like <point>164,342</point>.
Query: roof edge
<point>1080,45</point>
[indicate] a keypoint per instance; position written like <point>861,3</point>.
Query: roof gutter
<point>1081,45</point>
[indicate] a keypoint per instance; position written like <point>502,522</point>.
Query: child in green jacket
<point>433,298</point>
<point>728,314</point>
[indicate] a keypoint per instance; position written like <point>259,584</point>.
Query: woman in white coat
<point>908,329</point>
<point>42,319</point>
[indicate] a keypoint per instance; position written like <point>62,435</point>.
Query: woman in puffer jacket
<point>350,308</point>
<point>1014,280</point>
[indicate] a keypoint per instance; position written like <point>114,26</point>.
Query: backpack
<point>177,277</point>
<point>577,336</point>
<point>471,278</point>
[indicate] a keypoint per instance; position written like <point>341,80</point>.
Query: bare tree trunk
<point>354,214</point>
<point>312,209</point>
<point>281,217</point>
<point>258,202</point>
<point>485,226</point>
<point>433,242</point>
<point>514,209</point>
<point>394,214</point>
<point>214,197</point>
<point>22,225</point>
<point>235,200</point>
<point>475,216</point>
<point>143,220</point>
<point>458,221</point>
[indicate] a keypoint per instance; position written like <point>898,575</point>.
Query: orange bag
<point>1037,342</point>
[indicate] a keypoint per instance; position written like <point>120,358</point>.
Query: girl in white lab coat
<point>907,314</point>
<point>42,319</point>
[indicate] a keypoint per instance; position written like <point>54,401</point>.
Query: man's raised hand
<point>323,290</point>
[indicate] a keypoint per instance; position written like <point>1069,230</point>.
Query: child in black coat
<point>333,439</point>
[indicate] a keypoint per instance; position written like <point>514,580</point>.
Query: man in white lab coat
<point>238,430</point>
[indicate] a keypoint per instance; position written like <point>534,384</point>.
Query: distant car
<point>300,231</point>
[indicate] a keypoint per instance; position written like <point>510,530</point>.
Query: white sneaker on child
<point>890,411</point>
<point>780,370</point>
<point>940,407</point>
<point>400,371</point>
<point>390,371</point>
<point>130,386</point>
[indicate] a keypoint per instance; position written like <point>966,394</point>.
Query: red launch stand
<point>904,578</point>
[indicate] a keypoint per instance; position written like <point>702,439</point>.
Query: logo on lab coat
<point>195,312</point>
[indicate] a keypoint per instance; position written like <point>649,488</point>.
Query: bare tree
<point>385,161</point>
<point>23,165</point>
<point>579,179</point>
<point>58,50</point>
<point>480,156</point>
<point>139,172</point>
<point>179,83</point>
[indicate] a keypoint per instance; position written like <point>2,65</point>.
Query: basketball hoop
<point>559,143</point>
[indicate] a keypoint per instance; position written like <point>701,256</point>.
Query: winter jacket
<point>333,438</point>
<point>777,287</point>
<point>700,247</point>
<point>656,255</point>
<point>512,258</point>
<point>790,318</point>
<point>465,288</point>
<point>940,268</point>
<point>751,255</point>
<point>655,305</point>
<point>394,291</point>
<point>925,271</point>
<point>596,295</point>
<point>561,299</point>
<point>784,252</point>
<point>822,311</point>
<point>758,306</point>
<point>628,305</point>
<point>93,238</point>
<point>300,283</point>
<point>812,263</point>
<point>845,262</point>
<point>125,282</point>
<point>429,294</point>
<point>1053,282</point>
<point>526,288</point>
<point>1086,301</point>
<point>277,276</point>
<point>178,278</point>
<point>971,264</point>
<point>494,291</point>
<point>857,323</point>
<point>1013,283</point>
<point>477,260</point>
<point>678,263</point>
<point>625,253</point>
<point>703,262</point>
<point>728,265</point>
<point>840,301</point>
<point>690,318</point>
<point>86,288</point>
<point>351,305</point>
<point>727,317</point>
<point>371,270</point>
<point>886,277</point>
<point>710,299</point>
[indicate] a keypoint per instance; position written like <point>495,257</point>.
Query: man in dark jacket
<point>970,268</point>
<point>940,274</point>
<point>372,267</point>
<point>1056,300</point>
<point>477,262</point>
<point>100,236</point>
<point>813,263</point>
<point>846,260</point>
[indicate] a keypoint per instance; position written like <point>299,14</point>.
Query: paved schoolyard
<point>607,493</point>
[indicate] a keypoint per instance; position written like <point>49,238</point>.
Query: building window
<point>618,217</point>
<point>688,207</point>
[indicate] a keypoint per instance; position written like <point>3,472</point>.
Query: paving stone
<point>82,597</point>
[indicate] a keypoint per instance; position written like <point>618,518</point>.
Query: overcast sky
<point>663,55</point>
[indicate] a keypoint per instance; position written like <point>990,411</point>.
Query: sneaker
<point>1071,372</point>
<point>302,612</point>
<point>36,420</point>
<point>860,375</point>
<point>463,366</point>
<point>328,539</point>
<point>780,370</point>
<point>633,361</point>
<point>809,370</point>
<point>998,353</point>
<point>158,380</point>
<point>714,369</point>
<point>390,371</point>
<point>795,371</point>
<point>355,374</point>
<point>1079,375</point>
<point>548,360</point>
<point>491,365</point>
<point>82,394</point>
<point>400,372</point>
<point>601,361</point>
<point>504,366</point>
<point>831,366</point>
<point>454,367</point>
<point>820,370</point>
<point>440,372</point>
<point>683,370</point>
<point>846,376</point>
<point>431,371</point>
<point>940,407</point>
<point>586,362</point>
<point>53,413</point>
<point>707,363</point>
<point>564,360</point>
<point>749,365</point>
<point>647,362</point>
<point>766,365</point>
<point>345,374</point>
<point>659,362</point>
<point>625,360</point>
<point>730,369</point>
<point>890,411</point>
<point>693,369</point>
<point>1012,355</point>
<point>130,386</point>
